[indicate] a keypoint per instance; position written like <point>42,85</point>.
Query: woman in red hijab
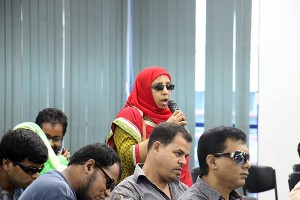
<point>145,107</point>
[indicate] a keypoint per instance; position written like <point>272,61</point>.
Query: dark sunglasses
<point>110,183</point>
<point>29,170</point>
<point>160,87</point>
<point>239,157</point>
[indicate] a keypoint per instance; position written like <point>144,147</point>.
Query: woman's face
<point>161,97</point>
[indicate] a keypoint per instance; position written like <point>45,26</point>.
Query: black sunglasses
<point>239,157</point>
<point>110,183</point>
<point>160,87</point>
<point>29,169</point>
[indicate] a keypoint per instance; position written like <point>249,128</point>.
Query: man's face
<point>94,186</point>
<point>172,158</point>
<point>230,174</point>
<point>55,134</point>
<point>17,176</point>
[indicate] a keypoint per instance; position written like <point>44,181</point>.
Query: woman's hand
<point>178,118</point>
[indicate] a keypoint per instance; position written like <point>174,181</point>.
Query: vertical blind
<point>71,54</point>
<point>227,67</point>
<point>164,34</point>
<point>67,54</point>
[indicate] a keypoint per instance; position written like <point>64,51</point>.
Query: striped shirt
<point>139,187</point>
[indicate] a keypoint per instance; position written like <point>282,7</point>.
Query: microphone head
<point>172,105</point>
<point>298,149</point>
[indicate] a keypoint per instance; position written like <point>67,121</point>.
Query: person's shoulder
<point>46,182</point>
<point>127,182</point>
<point>130,111</point>
<point>200,190</point>
<point>46,185</point>
<point>193,193</point>
<point>129,116</point>
<point>37,195</point>
<point>127,188</point>
<point>183,185</point>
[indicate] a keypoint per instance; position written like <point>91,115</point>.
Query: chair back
<point>195,173</point>
<point>294,178</point>
<point>296,168</point>
<point>261,179</point>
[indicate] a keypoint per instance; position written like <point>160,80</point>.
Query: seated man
<point>91,174</point>
<point>224,162</point>
<point>169,144</point>
<point>54,123</point>
<point>22,157</point>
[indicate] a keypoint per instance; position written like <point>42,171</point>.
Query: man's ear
<point>156,146</point>
<point>89,166</point>
<point>211,161</point>
<point>7,164</point>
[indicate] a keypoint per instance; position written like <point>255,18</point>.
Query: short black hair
<point>165,133</point>
<point>20,144</point>
<point>213,141</point>
<point>103,155</point>
<point>52,116</point>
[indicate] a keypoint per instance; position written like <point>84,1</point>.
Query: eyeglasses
<point>110,183</point>
<point>54,139</point>
<point>239,157</point>
<point>29,169</point>
<point>160,87</point>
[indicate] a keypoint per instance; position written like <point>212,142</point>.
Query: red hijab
<point>141,94</point>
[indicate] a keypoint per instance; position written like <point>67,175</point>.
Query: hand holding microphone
<point>173,107</point>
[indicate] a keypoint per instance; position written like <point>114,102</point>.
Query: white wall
<point>279,89</point>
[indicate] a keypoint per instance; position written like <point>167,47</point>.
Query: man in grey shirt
<point>224,162</point>
<point>168,146</point>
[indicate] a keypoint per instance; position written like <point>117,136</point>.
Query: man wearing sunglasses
<point>169,145</point>
<point>92,173</point>
<point>224,162</point>
<point>22,158</point>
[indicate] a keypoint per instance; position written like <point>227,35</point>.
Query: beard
<point>82,192</point>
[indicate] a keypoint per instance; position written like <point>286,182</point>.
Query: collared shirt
<point>139,187</point>
<point>201,190</point>
<point>4,195</point>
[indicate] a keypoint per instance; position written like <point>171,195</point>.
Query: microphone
<point>173,106</point>
<point>298,149</point>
